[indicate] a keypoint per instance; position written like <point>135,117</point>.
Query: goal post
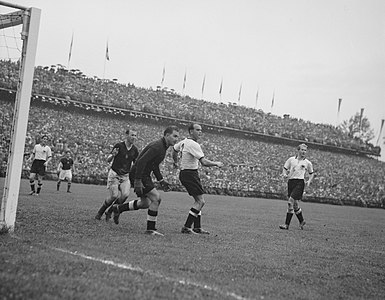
<point>30,20</point>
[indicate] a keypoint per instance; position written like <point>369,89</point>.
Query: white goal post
<point>30,19</point>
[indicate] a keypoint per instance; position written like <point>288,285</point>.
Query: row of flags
<point>107,58</point>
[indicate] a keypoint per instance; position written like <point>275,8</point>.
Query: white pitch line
<point>152,273</point>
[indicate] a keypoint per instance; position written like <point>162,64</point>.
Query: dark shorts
<point>148,184</point>
<point>295,188</point>
<point>191,181</point>
<point>38,167</point>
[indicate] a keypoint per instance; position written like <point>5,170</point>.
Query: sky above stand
<point>307,53</point>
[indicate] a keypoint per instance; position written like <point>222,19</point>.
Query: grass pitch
<point>59,251</point>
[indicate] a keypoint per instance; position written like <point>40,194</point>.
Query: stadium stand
<point>87,115</point>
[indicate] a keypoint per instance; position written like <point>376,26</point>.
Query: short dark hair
<point>191,126</point>
<point>128,131</point>
<point>301,145</point>
<point>170,129</point>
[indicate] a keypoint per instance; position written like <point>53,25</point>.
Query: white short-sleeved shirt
<point>42,152</point>
<point>191,154</point>
<point>298,167</point>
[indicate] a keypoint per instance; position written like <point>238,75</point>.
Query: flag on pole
<point>256,98</point>
<point>239,94</point>
<point>107,52</point>
<point>220,88</point>
<point>184,79</point>
<point>361,116</point>
<point>163,75</point>
<point>203,84</point>
<point>339,106</point>
<point>379,135</point>
<point>272,100</point>
<point>70,53</point>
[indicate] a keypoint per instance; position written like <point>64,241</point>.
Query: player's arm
<point>59,167</point>
<point>285,172</point>
<point>209,163</point>
<point>49,157</point>
<point>175,157</point>
<point>311,177</point>
<point>112,154</point>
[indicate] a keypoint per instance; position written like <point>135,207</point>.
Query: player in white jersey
<point>191,155</point>
<point>295,169</point>
<point>41,156</point>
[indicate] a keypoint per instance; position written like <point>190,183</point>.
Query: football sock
<point>192,216</point>
<point>38,188</point>
<point>197,221</point>
<point>32,183</point>
<point>58,185</point>
<point>132,205</point>
<point>68,186</point>
<point>103,208</point>
<point>151,219</point>
<point>288,218</point>
<point>298,213</point>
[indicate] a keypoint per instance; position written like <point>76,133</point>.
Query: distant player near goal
<point>64,170</point>
<point>41,156</point>
<point>295,168</point>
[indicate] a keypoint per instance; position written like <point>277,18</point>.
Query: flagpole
<point>70,53</point>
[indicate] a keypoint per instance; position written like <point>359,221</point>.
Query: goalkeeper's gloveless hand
<point>138,187</point>
<point>165,185</point>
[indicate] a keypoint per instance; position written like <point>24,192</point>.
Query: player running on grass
<point>122,155</point>
<point>295,168</point>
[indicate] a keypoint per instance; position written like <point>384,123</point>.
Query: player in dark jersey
<point>64,170</point>
<point>148,162</point>
<point>123,154</point>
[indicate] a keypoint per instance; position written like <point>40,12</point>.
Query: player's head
<point>171,135</point>
<point>68,153</point>
<point>44,139</point>
<point>195,131</point>
<point>131,135</point>
<point>302,149</point>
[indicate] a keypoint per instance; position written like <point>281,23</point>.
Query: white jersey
<point>191,154</point>
<point>298,167</point>
<point>42,152</point>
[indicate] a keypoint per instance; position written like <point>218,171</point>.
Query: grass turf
<point>59,251</point>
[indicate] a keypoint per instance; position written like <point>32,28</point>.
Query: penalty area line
<point>151,273</point>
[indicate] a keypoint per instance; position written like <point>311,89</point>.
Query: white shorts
<point>65,174</point>
<point>114,179</point>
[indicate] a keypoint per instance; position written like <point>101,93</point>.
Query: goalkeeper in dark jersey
<point>123,155</point>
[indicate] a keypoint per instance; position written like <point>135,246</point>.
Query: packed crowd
<point>59,82</point>
<point>250,165</point>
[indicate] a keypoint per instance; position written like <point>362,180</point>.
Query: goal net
<point>19,27</point>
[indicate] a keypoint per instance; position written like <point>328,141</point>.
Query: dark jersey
<point>150,158</point>
<point>124,158</point>
<point>67,163</point>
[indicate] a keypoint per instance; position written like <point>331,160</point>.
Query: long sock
<point>58,185</point>
<point>299,215</point>
<point>132,205</point>
<point>103,208</point>
<point>197,221</point>
<point>192,215</point>
<point>68,186</point>
<point>38,188</point>
<point>289,215</point>
<point>151,219</point>
<point>32,184</point>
